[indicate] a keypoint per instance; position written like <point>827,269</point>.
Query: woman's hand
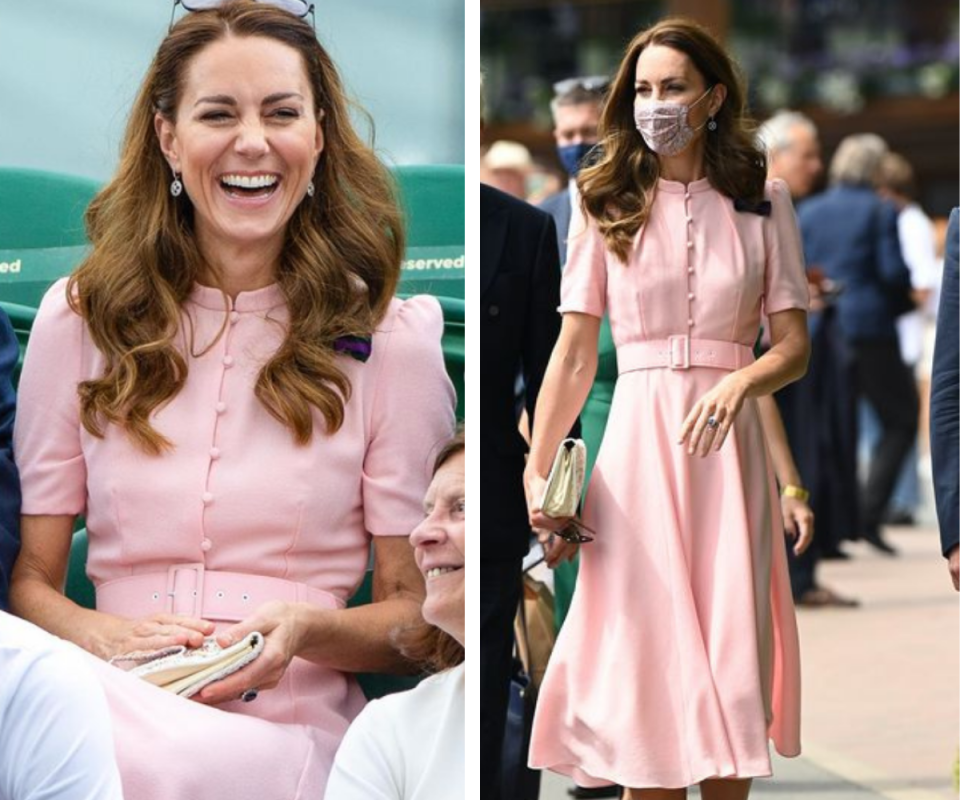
<point>280,624</point>
<point>722,404</point>
<point>534,485</point>
<point>156,632</point>
<point>797,522</point>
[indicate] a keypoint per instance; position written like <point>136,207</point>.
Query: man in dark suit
<point>576,108</point>
<point>945,405</point>
<point>9,479</point>
<point>519,324</point>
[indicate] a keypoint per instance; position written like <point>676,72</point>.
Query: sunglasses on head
<point>576,533</point>
<point>593,83</point>
<point>299,8</point>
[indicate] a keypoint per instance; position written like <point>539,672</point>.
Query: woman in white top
<point>410,746</point>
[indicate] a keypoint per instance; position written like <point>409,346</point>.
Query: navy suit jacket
<point>9,479</point>
<point>945,396</point>
<point>558,206</point>
<point>519,325</point>
<point>851,234</point>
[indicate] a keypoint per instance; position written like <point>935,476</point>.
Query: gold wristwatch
<point>795,491</point>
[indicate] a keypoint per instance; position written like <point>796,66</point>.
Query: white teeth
<point>249,181</point>
<point>438,571</point>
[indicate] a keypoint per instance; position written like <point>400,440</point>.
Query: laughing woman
<point>224,390</point>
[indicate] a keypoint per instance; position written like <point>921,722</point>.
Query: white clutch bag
<point>561,496</point>
<point>185,671</point>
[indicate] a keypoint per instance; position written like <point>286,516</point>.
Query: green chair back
<point>81,591</point>
<point>42,234</point>
<point>433,203</point>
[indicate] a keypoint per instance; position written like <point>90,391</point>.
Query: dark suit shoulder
<point>493,201</point>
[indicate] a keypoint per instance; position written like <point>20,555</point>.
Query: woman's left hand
<point>280,625</point>
<point>721,404</point>
<point>797,522</point>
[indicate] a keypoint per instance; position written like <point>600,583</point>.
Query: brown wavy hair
<point>339,266</point>
<point>618,189</point>
<point>426,645</point>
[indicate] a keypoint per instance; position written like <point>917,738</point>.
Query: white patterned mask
<point>664,126</point>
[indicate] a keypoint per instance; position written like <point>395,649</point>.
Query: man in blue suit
<point>9,480</point>
<point>945,405</point>
<point>851,235</point>
<point>576,109</point>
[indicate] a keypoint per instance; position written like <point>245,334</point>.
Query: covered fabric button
<point>690,245</point>
<point>690,296</point>
<point>214,453</point>
<point>207,498</point>
<point>221,407</point>
<point>690,270</point>
<point>690,323</point>
<point>228,361</point>
<point>234,317</point>
<point>205,545</point>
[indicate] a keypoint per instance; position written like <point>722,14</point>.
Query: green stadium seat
<point>433,200</point>
<point>42,234</point>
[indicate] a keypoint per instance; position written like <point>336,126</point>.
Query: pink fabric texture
<point>679,657</point>
<point>236,494</point>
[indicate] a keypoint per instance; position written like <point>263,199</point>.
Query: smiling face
<point>439,548</point>
<point>246,141</point>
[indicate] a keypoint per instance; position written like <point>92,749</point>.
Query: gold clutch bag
<point>561,497</point>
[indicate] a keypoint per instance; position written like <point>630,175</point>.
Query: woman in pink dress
<point>229,393</point>
<point>679,658</point>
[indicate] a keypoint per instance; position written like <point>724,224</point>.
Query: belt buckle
<point>679,347</point>
<point>185,589</point>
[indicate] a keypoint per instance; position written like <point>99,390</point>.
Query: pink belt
<point>682,352</point>
<point>192,590</point>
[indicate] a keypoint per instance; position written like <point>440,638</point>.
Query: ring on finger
<point>250,695</point>
<point>713,422</point>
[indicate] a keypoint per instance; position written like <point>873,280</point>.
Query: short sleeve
<point>785,278</point>
<point>584,285</point>
<point>368,760</point>
<point>47,449</point>
<point>412,417</point>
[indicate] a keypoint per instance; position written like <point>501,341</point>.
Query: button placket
<point>214,453</point>
<point>688,219</point>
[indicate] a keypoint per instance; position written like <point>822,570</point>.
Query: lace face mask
<point>665,126</point>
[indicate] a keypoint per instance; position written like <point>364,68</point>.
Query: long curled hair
<point>619,188</point>
<point>339,265</point>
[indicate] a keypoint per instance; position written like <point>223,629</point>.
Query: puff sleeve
<point>412,418</point>
<point>584,285</point>
<point>785,277</point>
<point>47,439</point>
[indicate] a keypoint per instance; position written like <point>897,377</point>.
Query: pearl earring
<point>176,187</point>
<point>311,189</point>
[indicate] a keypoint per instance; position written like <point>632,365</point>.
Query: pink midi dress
<point>679,657</point>
<point>234,515</point>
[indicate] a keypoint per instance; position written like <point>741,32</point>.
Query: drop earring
<point>176,187</point>
<point>711,124</point>
<point>311,189</point>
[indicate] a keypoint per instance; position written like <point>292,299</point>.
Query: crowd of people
<point>221,390</point>
<point>745,356</point>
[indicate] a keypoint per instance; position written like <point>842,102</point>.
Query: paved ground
<point>881,709</point>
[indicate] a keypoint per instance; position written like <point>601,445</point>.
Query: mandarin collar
<point>676,187</point>
<point>258,300</point>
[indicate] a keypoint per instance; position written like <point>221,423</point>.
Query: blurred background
<point>72,70</point>
<point>885,66</point>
